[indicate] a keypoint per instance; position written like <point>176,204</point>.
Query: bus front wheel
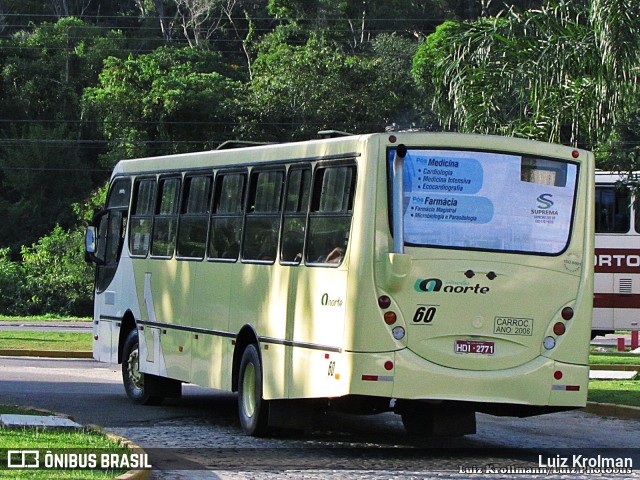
<point>136,384</point>
<point>252,408</point>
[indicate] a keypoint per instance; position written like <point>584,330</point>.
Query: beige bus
<point>431,274</point>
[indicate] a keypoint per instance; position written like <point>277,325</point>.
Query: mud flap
<point>293,414</point>
<point>162,387</point>
<point>436,420</point>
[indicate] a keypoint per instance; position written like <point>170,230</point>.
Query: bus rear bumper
<point>542,381</point>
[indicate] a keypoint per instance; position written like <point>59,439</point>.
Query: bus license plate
<point>475,346</point>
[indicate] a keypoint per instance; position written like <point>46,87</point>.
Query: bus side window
<point>144,193</point>
<point>118,204</point>
<point>226,218</point>
<point>612,210</point>
<point>165,222</point>
<point>111,232</point>
<point>295,215</point>
<point>263,218</point>
<point>330,215</point>
<point>194,217</point>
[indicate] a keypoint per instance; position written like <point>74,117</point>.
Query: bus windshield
<point>487,201</point>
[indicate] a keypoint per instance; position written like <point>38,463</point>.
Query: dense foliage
<point>84,83</point>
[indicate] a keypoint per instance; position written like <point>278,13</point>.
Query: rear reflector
<point>567,388</point>
<point>377,378</point>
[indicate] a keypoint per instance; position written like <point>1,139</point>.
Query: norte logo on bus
<point>437,285</point>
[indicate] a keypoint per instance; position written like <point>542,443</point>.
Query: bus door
<point>105,241</point>
<point>319,289</point>
<point>615,258</point>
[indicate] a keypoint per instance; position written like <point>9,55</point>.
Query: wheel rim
<point>133,369</point>
<point>249,390</point>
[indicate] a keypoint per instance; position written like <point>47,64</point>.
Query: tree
<point>169,101</point>
<point>199,19</point>
<point>47,156</point>
<point>55,277</point>
<point>298,90</point>
<point>560,73</point>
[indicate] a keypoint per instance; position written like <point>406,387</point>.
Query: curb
<point>131,474</point>
<point>616,368</point>
<point>612,410</point>
<point>44,353</point>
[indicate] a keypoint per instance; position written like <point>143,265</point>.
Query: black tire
<point>136,383</point>
<point>253,410</point>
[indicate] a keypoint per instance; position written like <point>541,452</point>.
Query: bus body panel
<point>510,313</point>
<point>508,386</point>
<point>452,300</point>
<point>110,307</point>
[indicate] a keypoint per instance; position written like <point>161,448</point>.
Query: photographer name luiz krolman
<point>558,464</point>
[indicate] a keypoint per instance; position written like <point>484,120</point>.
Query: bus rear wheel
<point>253,410</point>
<point>136,384</point>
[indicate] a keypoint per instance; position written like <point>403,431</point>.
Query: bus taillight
<point>390,318</point>
<point>559,328</point>
<point>567,313</point>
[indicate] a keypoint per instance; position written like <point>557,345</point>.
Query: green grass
<point>614,358</point>
<point>12,339</point>
<point>43,318</point>
<point>85,441</point>
<point>621,392</point>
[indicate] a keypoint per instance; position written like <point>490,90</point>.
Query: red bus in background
<point>617,257</point>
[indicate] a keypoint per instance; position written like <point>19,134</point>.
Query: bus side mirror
<point>91,246</point>
<point>397,267</point>
<point>90,240</point>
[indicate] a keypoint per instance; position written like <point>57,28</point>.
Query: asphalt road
<point>199,436</point>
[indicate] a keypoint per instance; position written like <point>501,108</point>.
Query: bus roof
<point>604,176</point>
<point>343,146</point>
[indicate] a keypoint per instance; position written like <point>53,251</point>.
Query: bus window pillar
<point>398,199</point>
<point>398,264</point>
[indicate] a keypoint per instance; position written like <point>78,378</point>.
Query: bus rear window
<point>487,201</point>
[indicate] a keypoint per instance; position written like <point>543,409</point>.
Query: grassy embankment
<point>86,440</point>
